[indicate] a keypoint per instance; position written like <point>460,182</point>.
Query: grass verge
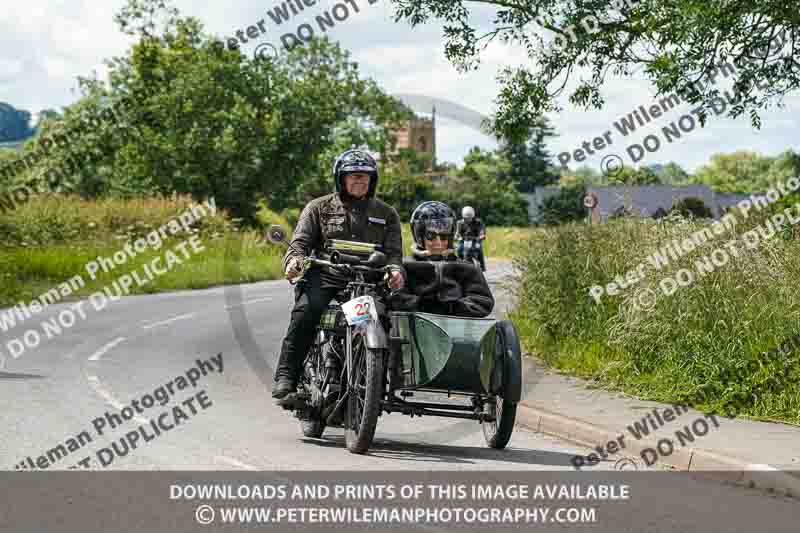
<point>721,344</point>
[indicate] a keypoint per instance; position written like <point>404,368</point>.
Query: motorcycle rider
<point>437,282</point>
<point>470,228</point>
<point>352,213</point>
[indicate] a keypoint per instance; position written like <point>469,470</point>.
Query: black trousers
<point>310,302</point>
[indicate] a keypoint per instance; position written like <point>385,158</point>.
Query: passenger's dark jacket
<point>333,217</point>
<point>449,287</point>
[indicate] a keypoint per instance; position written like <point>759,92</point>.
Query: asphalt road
<point>135,346</point>
<point>102,363</point>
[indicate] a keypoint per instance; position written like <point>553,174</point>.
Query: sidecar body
<point>473,356</point>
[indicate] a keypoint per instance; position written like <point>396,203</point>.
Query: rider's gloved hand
<point>396,280</point>
<point>293,268</point>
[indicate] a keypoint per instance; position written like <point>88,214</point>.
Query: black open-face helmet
<point>353,161</point>
<point>429,218</point>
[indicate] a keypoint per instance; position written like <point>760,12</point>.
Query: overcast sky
<point>46,44</point>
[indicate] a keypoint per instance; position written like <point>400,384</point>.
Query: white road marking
<point>267,299</point>
<point>759,466</point>
<point>167,321</point>
<point>99,353</point>
<point>234,462</point>
<point>94,382</point>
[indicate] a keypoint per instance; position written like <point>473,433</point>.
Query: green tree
<point>741,171</point>
<point>677,43</point>
<point>671,173</point>
<point>631,176</point>
<point>531,163</point>
<point>194,117</point>
<point>14,123</point>
<point>566,206</point>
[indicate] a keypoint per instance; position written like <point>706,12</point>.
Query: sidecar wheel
<point>498,433</point>
<point>312,429</point>
<point>366,393</point>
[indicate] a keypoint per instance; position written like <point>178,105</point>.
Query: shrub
<point>566,206</point>
<point>694,207</point>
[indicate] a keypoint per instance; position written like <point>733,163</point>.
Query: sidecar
<point>479,359</point>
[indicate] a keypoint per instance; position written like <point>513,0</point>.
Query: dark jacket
<point>445,288</point>
<point>333,217</point>
<point>470,230</point>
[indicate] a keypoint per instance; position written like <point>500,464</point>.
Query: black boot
<point>284,386</point>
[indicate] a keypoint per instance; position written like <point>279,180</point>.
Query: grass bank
<point>51,239</point>
<point>713,344</point>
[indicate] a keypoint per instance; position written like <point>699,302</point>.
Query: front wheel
<point>312,429</point>
<point>366,393</point>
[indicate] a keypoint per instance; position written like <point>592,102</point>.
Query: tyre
<point>312,429</point>
<point>364,400</point>
<point>498,432</point>
<point>503,405</point>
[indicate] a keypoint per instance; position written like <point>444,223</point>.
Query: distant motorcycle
<point>472,252</point>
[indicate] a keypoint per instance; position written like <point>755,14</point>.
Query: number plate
<point>360,310</point>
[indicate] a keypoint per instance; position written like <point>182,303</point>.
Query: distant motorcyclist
<point>437,282</point>
<point>352,214</point>
<point>471,228</point>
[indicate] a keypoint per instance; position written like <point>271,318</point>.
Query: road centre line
<point>267,299</point>
<point>102,351</point>
<point>94,382</point>
<point>167,321</point>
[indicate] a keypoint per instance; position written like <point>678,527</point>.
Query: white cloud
<point>45,44</point>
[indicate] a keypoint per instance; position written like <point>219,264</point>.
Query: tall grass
<point>52,238</point>
<point>702,345</point>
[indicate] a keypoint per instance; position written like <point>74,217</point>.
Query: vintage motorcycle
<point>363,356</point>
<point>472,252</point>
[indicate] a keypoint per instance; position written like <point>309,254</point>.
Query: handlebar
<point>312,261</point>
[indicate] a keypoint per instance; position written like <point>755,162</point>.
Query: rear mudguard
<point>511,361</point>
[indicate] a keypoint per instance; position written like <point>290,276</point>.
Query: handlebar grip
<point>346,259</point>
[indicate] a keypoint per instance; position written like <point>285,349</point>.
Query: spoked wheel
<point>498,432</point>
<point>364,400</point>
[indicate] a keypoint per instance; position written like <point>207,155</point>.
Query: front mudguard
<point>375,335</point>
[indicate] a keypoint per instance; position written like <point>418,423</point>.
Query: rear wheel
<point>366,393</point>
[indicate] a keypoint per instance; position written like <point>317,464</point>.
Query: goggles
<point>431,235</point>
